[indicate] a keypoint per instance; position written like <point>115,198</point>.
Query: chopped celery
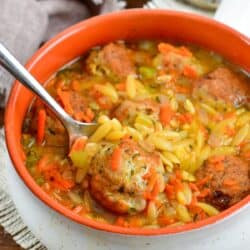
<point>40,181</point>
<point>157,61</point>
<point>147,45</point>
<point>147,72</point>
<point>33,156</point>
<point>94,106</point>
<point>28,141</point>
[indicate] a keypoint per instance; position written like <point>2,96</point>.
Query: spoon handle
<point>10,63</point>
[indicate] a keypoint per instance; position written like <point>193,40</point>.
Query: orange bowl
<point>126,25</point>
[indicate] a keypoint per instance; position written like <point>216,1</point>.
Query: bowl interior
<point>125,25</point>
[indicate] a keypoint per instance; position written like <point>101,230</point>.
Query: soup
<point>173,142</point>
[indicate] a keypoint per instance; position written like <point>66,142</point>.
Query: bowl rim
<point>38,192</point>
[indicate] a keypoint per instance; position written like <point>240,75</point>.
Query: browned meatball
<point>127,110</point>
<point>123,190</point>
<point>114,60</point>
<point>175,62</point>
<point>118,59</point>
<point>228,180</point>
<point>75,104</point>
<point>223,84</point>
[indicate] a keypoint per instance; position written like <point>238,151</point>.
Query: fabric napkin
<point>26,24</point>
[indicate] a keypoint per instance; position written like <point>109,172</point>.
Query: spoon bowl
<point>74,128</point>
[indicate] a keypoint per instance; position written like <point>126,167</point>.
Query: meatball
<point>175,62</point>
<point>228,180</point>
<point>223,84</point>
<point>118,59</point>
<point>114,60</point>
<point>123,190</point>
<point>75,104</point>
<point>128,109</point>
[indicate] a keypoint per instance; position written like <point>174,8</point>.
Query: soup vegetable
<point>173,142</point>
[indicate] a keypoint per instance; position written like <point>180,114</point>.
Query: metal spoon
<point>74,128</point>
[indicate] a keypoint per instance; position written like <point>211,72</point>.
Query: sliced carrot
<point>230,131</point>
<point>185,118</point>
<point>190,72</point>
<point>194,187</point>
<point>150,173</point>
<point>94,93</point>
<point>135,221</point>
<point>178,174</point>
<point>57,181</point>
<point>194,209</point>
<point>121,86</point>
<point>172,179</point>
<point>120,221</point>
<point>147,195</point>
<point>178,185</point>
<point>242,144</point>
<point>86,116</point>
<point>246,155</point>
<point>203,181</point>
<point>81,116</point>
<point>166,114</point>
<point>90,114</point>
<point>165,48</point>
<point>153,188</point>
<point>165,221</point>
<point>155,191</point>
<point>41,122</point>
<point>204,193</point>
<point>204,131</point>
<point>78,144</point>
<point>193,201</point>
<point>75,85</point>
<point>74,104</point>
<point>158,203</point>
<point>65,99</point>
<point>116,159</point>
<point>229,115</point>
<point>175,181</point>
<point>230,182</point>
<point>151,182</point>
<point>170,192</point>
<point>50,171</point>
